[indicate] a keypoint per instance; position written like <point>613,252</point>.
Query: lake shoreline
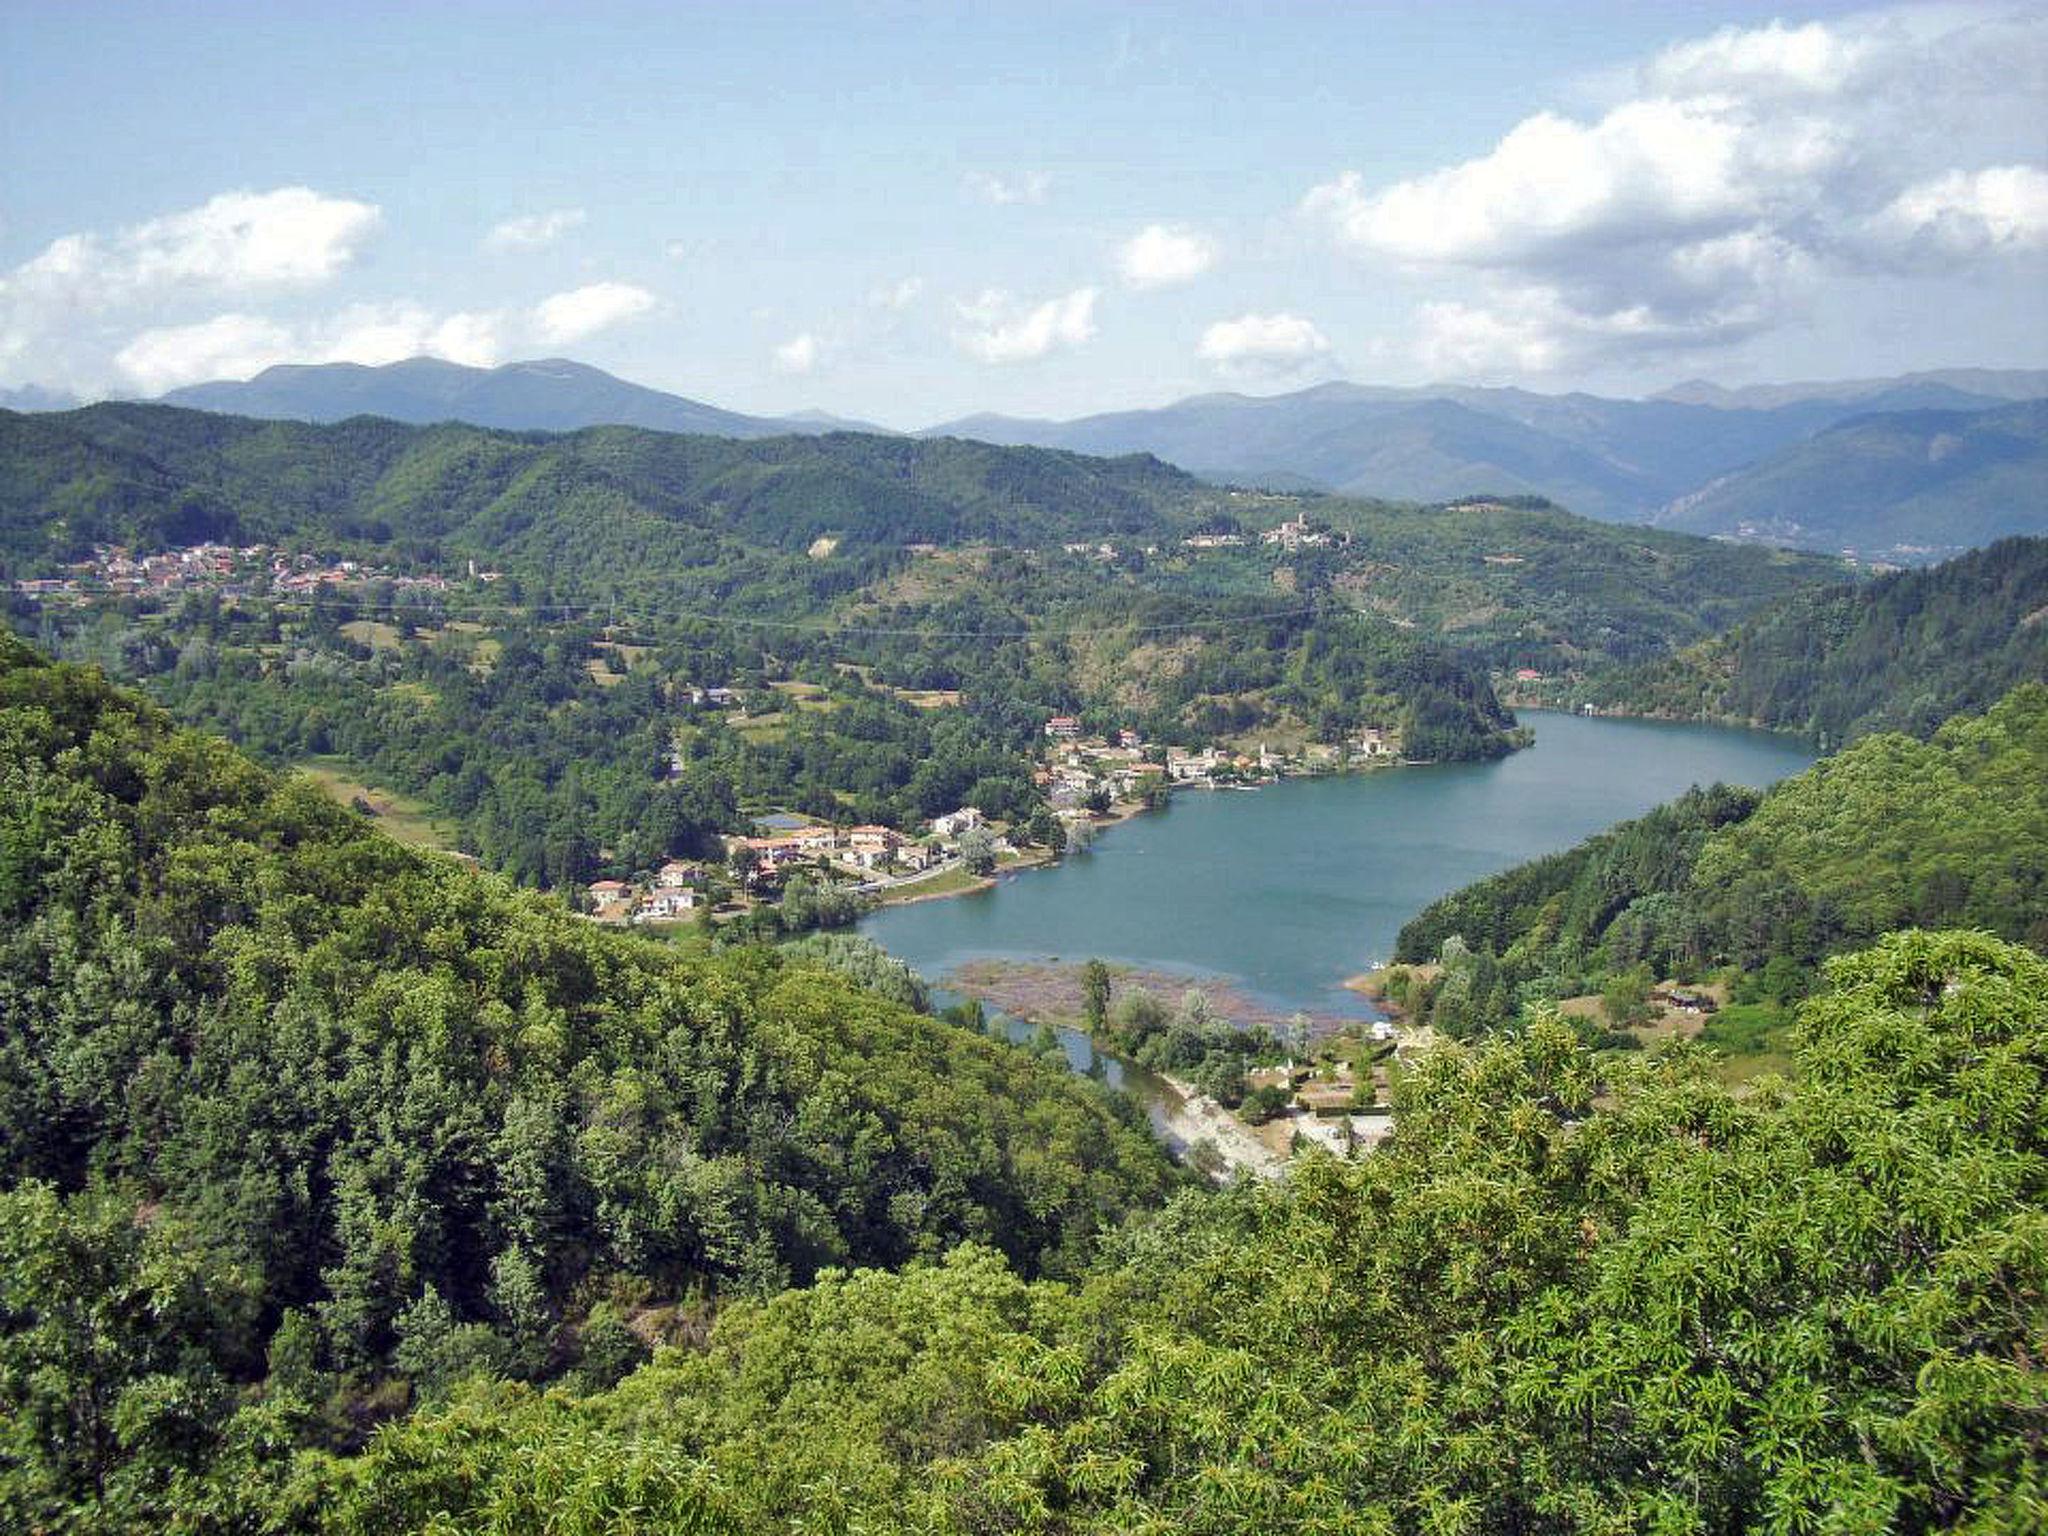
<point>1129,810</point>
<point>1291,899</point>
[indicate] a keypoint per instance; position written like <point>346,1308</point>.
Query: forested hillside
<point>1902,652</point>
<point>1890,832</point>
<point>1571,1291</point>
<point>606,510</point>
<point>311,1102</point>
<point>508,629</point>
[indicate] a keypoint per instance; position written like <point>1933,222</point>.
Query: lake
<point>1286,891</point>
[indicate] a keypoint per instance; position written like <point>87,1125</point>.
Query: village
<point>865,861</point>
<point>231,571</point>
<point>1088,782</point>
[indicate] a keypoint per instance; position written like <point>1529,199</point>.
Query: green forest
<point>1902,652</point>
<point>349,1190</point>
<point>1888,833</point>
<point>410,1121</point>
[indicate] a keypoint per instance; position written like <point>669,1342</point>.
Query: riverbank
<point>1051,992</point>
<point>1198,1121</point>
<point>1197,1128</point>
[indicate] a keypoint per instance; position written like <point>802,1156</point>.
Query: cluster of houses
<point>1296,533</point>
<point>864,854</point>
<point>864,850</point>
<point>1079,767</point>
<point>676,892</point>
<point>250,570</point>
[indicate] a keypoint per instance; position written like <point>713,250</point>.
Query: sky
<point>909,214</point>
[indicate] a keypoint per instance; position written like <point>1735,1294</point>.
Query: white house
<point>666,906</point>
<point>676,874</point>
<point>816,840</point>
<point>953,823</point>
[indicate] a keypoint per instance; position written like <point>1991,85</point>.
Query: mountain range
<point>550,394</point>
<point>1904,469</point>
<point>1910,486</point>
<point>1618,460</point>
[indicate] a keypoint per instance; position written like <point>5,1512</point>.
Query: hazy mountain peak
<point>555,394</point>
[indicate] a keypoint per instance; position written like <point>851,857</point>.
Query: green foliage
<point>280,1093</point>
<point>1817,1309</point>
<point>866,964</point>
<point>1095,993</point>
<point>1901,653</point>
<point>1888,833</point>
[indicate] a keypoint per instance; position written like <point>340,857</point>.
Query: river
<point>1285,891</point>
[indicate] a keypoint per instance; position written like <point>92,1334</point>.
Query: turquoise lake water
<point>1287,890</point>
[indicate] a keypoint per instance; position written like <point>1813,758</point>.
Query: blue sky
<point>912,213</point>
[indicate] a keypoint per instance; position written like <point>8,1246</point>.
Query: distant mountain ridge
<point>1618,460</point>
<point>1991,383</point>
<point>1908,486</point>
<point>1763,462</point>
<point>546,395</point>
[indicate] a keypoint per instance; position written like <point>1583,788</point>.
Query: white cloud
<point>533,230</point>
<point>1813,59</point>
<point>54,307</point>
<point>2004,207</point>
<point>1649,172</point>
<point>585,311</point>
<point>1021,187</point>
<point>897,296</point>
<point>94,311</point>
<point>238,346</point>
<point>1271,344</point>
<point>1001,330</point>
<point>799,354</point>
<point>231,346</point>
<point>1744,168</point>
<point>1161,255</point>
<point>1465,340</point>
<point>290,238</point>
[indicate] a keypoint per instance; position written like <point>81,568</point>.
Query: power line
<point>564,611</point>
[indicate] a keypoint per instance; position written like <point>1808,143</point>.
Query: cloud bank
<point>1741,170</point>
<point>71,313</point>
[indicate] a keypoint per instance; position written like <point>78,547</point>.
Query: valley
<point>1189,769</point>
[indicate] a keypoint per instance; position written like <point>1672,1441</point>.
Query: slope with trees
<point>279,1097</point>
<point>880,571</point>
<point>1572,1292</point>
<point>1889,832</point>
<point>1900,485</point>
<point>1902,652</point>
